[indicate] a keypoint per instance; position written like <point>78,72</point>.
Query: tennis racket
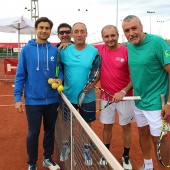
<point>108,97</point>
<point>163,152</point>
<point>93,74</point>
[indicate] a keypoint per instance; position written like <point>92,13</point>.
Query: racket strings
<point>94,71</point>
<point>93,74</point>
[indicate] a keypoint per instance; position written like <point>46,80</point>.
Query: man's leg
<point>144,132</point>
<point>34,118</point>
<point>127,135</point>
<point>125,111</point>
<point>127,139</point>
<point>146,145</point>
<point>49,119</point>
<point>107,134</point>
<point>107,117</point>
<point>145,141</point>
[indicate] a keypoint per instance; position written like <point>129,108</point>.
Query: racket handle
<point>81,99</point>
<point>163,100</point>
<point>132,98</point>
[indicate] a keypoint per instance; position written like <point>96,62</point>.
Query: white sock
<point>148,163</point>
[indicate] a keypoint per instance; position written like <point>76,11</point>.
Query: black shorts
<point>87,116</point>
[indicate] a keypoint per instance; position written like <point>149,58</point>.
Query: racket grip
<point>132,98</point>
<point>163,100</point>
<point>81,99</point>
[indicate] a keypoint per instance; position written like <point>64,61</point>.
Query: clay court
<point>13,131</point>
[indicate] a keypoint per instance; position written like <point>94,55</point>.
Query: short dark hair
<point>43,19</point>
<point>63,25</point>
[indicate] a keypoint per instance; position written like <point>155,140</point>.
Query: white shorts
<point>125,110</point>
<point>151,118</point>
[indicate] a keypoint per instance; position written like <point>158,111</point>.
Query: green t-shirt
<point>149,77</point>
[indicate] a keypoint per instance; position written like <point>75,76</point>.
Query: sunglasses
<point>62,32</point>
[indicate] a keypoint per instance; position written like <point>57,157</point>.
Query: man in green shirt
<point>149,63</point>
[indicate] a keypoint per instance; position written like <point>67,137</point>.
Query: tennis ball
<point>60,88</point>
<point>54,85</point>
<point>50,81</point>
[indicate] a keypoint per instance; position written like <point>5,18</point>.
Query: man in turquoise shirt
<point>77,61</point>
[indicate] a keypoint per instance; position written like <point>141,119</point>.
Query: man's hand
<point>58,81</point>
<point>166,113</point>
<point>118,97</point>
<point>64,45</point>
<point>88,89</point>
<point>19,106</point>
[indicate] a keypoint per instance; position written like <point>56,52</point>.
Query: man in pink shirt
<point>115,79</point>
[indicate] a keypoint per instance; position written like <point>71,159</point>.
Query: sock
<point>148,163</point>
<point>126,155</point>
<point>126,152</point>
<point>86,146</point>
<point>107,145</point>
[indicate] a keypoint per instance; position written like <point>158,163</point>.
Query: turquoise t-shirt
<point>149,77</point>
<point>77,65</point>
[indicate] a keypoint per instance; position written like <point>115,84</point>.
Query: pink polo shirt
<point>114,74</point>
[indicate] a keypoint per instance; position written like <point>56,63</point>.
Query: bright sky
<point>99,14</point>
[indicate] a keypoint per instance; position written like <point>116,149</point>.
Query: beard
<point>135,40</point>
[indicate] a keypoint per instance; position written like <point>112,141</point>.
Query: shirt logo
<point>52,58</point>
<point>167,54</point>
<point>78,55</point>
<point>120,59</point>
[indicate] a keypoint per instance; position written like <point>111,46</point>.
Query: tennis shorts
<point>125,110</point>
<point>151,118</point>
<point>87,116</point>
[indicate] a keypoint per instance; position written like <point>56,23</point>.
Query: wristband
<point>168,103</point>
<point>125,92</point>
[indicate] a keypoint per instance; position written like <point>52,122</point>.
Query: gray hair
<point>130,17</point>
<point>80,23</point>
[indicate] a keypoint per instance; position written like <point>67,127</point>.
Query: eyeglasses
<point>62,32</point>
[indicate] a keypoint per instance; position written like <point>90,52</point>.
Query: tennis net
<point>77,146</point>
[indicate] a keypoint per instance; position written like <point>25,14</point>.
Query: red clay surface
<point>13,131</point>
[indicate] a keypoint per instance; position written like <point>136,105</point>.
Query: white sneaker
<point>143,168</point>
<point>87,158</point>
<point>50,164</point>
<point>127,166</point>
<point>102,162</point>
<point>65,153</point>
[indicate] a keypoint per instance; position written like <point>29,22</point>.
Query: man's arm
<point>166,109</point>
<point>64,45</point>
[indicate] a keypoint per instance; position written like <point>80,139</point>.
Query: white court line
<point>6,95</point>
<point>7,105</point>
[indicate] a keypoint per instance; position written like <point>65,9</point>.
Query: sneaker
<point>126,164</point>
<point>32,167</point>
<point>87,157</point>
<point>50,164</point>
<point>102,162</point>
<point>143,168</point>
<point>65,153</point>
